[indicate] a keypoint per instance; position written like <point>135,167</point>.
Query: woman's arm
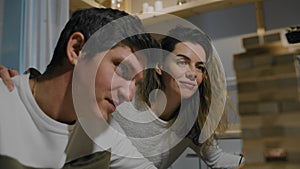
<point>6,74</point>
<point>215,157</point>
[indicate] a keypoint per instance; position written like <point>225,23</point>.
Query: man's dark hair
<point>88,21</point>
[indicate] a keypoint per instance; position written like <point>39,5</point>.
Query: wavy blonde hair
<point>153,80</point>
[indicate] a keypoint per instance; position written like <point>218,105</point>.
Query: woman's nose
<point>191,74</point>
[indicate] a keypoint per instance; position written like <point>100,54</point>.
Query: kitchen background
<point>25,24</point>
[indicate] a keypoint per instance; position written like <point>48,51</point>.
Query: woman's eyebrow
<point>187,58</point>
<point>200,63</point>
<point>184,56</point>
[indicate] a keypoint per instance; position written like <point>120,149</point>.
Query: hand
<point>6,74</point>
<point>241,166</point>
<point>241,162</point>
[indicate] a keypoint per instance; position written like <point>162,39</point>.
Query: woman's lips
<point>188,85</point>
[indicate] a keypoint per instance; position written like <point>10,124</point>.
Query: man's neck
<point>54,97</point>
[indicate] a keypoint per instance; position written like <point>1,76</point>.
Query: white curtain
<point>43,22</point>
<point>1,25</point>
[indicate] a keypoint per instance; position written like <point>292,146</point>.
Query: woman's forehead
<point>193,51</point>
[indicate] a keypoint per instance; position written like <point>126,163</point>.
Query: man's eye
<point>123,71</point>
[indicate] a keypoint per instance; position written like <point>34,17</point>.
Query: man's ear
<point>74,46</point>
<point>158,69</point>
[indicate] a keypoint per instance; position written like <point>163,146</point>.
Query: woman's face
<point>185,68</point>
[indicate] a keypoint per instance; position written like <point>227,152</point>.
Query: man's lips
<point>113,105</point>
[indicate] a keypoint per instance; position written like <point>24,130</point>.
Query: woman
<point>187,84</point>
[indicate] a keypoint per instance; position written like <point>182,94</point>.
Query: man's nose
<point>126,92</point>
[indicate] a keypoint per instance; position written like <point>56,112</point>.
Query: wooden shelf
<point>183,11</point>
<point>79,4</point>
<point>191,8</point>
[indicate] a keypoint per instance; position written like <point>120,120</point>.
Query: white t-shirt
<point>26,133</point>
<point>123,154</point>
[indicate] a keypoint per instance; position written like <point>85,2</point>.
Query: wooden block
<point>258,73</point>
<point>290,106</point>
<point>264,56</point>
<point>258,108</point>
<point>266,78</point>
<point>255,149</point>
<point>259,126</point>
<point>274,165</point>
<point>267,40</point>
<point>268,107</point>
<point>270,38</point>
<point>262,85</point>
<point>268,95</point>
<point>251,41</point>
<point>284,120</point>
<point>285,58</point>
<point>243,64</point>
<point>273,59</point>
<point>244,60</point>
<point>276,131</point>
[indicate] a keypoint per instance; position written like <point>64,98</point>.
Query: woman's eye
<point>181,62</point>
<point>201,68</point>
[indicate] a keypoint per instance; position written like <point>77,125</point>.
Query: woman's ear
<point>158,69</point>
<point>74,46</point>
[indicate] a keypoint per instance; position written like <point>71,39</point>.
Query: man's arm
<point>6,74</point>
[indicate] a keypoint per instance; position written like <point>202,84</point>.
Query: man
<point>35,130</point>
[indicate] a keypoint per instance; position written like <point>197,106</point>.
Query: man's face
<point>116,77</point>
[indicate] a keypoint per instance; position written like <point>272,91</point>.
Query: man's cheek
<point>138,78</point>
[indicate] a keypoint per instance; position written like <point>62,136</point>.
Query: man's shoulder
<point>9,162</point>
<point>10,99</point>
<point>20,82</point>
<point>97,160</point>
<point>17,80</point>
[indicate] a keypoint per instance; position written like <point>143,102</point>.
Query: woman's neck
<point>165,105</point>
